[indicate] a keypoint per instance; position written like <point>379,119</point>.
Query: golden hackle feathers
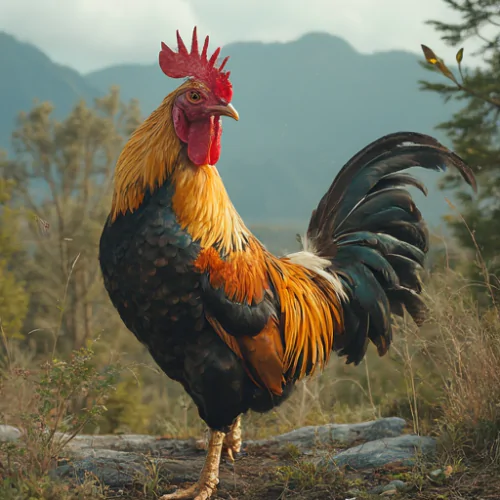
<point>146,160</point>
<point>203,208</point>
<point>149,158</point>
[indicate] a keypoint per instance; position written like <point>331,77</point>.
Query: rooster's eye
<point>193,96</point>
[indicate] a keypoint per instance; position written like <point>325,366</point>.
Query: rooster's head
<point>201,101</point>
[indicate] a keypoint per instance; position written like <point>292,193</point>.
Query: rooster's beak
<point>227,110</point>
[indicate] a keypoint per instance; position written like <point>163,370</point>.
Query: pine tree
<point>474,130</point>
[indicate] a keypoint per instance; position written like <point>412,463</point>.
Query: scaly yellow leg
<point>232,441</point>
<point>209,478</point>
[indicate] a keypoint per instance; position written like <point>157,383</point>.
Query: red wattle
<point>216,141</point>
<point>204,141</point>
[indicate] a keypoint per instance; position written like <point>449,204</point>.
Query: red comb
<point>182,63</point>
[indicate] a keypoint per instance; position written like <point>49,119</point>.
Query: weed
<point>47,417</point>
<point>316,480</point>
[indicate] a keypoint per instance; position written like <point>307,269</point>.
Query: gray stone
<point>112,468</point>
<point>9,433</point>
<point>397,484</point>
<point>311,436</point>
<point>354,492</point>
<point>393,485</point>
<point>120,469</point>
<point>436,473</point>
<point>383,451</point>
<point>305,438</point>
<point>119,461</point>
<point>130,443</point>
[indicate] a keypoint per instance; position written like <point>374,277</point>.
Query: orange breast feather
<point>299,338</point>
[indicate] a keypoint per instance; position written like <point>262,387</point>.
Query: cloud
<point>90,34</point>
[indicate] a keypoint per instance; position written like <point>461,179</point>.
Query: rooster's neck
<point>148,159</point>
<point>204,209</point>
<point>152,156</point>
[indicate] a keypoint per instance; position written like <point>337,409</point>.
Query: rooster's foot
<point>209,479</point>
<point>199,491</point>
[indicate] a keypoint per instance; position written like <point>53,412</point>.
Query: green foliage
<point>475,15</point>
<point>63,172</point>
<point>13,296</point>
<point>126,410</point>
<point>45,415</point>
<point>474,129</point>
<point>31,487</point>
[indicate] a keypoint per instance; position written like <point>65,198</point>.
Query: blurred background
<point>313,82</point>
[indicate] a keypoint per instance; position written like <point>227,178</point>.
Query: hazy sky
<point>90,34</point>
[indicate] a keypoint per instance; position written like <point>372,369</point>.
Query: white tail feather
<point>310,260</point>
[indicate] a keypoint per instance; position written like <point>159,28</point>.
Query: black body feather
<point>369,227</point>
<point>147,264</point>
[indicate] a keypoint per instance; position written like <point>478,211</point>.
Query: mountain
<point>28,74</point>
<point>305,108</point>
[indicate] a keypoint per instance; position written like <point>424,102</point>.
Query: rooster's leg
<point>209,478</point>
<point>232,441</point>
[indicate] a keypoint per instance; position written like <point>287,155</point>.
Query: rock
<point>121,469</point>
<point>439,476</point>
<point>9,433</point>
<point>136,443</point>
<point>312,436</point>
<point>395,485</point>
<point>436,473</point>
<point>383,451</point>
<point>120,461</point>
<point>114,469</point>
<point>354,492</point>
<point>303,438</point>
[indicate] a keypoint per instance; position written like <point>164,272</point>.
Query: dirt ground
<point>266,474</point>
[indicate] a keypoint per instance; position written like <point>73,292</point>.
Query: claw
<point>197,492</point>
<point>229,452</point>
<point>186,494</point>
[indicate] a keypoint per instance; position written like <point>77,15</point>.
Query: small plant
<point>301,477</point>
<point>154,480</point>
<point>64,398</point>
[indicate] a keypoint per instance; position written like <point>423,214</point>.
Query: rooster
<point>234,324</point>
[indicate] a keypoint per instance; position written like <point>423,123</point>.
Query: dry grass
<point>444,378</point>
<point>465,351</point>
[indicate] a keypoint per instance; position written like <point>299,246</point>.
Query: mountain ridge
<point>306,107</point>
